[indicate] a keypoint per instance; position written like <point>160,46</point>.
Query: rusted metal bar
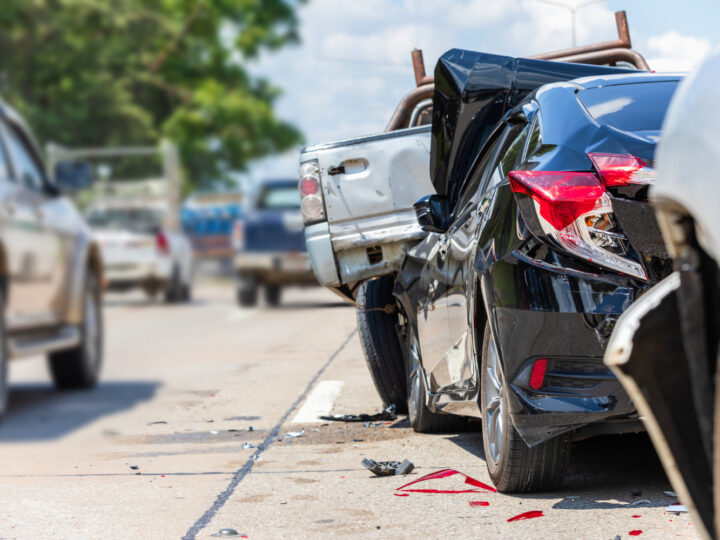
<point>609,56</point>
<point>401,116</point>
<point>622,42</point>
<point>419,68</point>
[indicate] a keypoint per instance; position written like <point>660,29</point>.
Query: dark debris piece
<point>388,468</point>
<point>387,414</point>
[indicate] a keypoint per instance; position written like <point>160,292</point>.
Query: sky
<point>353,64</point>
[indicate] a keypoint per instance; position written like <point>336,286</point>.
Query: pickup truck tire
<point>379,340</point>
<point>4,358</point>
<point>273,295</point>
<point>514,467</point>
<point>247,290</point>
<point>79,367</point>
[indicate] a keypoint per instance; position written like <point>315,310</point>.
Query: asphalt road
<point>162,448</point>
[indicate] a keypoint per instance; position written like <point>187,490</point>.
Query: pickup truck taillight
<point>574,209</point>
<point>311,202</point>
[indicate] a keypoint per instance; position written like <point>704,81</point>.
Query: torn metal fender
<point>647,354</point>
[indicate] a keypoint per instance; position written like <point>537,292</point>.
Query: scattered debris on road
<point>677,508</point>
<point>670,494</point>
<point>527,515</point>
<point>639,502</point>
<point>294,434</point>
<point>387,415</point>
<point>247,445</point>
<point>635,533</point>
<point>228,533</point>
<point>444,473</point>
<point>388,468</point>
<point>134,467</point>
<point>158,422</point>
<point>479,503</point>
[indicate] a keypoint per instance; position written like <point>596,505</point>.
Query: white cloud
<point>672,51</point>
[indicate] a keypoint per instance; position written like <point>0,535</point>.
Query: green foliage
<point>122,72</point>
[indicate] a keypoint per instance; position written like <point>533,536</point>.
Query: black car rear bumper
<point>566,317</point>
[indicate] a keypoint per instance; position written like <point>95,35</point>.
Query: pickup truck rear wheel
<point>247,290</point>
<point>79,367</point>
<point>376,320</point>
<point>273,294</point>
<point>514,467</point>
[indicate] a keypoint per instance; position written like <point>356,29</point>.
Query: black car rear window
<point>630,107</point>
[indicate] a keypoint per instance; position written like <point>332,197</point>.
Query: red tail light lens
<point>161,242</point>
<point>562,197</point>
<point>622,170</point>
<point>309,186</point>
<point>574,210</point>
<point>537,375</point>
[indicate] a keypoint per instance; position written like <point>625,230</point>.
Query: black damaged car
<point>539,237</point>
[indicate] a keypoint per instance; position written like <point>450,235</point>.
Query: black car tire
<point>519,468</point>
<point>421,418</point>
<point>79,367</point>
<point>174,291</point>
<point>379,340</point>
<point>247,290</point>
<point>4,358</point>
<point>273,294</point>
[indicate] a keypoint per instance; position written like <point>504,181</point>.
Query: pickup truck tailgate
<point>369,186</point>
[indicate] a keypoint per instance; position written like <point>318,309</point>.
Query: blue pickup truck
<point>270,243</point>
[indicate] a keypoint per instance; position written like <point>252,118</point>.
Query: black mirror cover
<point>72,176</point>
<point>432,213</point>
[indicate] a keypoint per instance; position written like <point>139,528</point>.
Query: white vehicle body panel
<point>688,153</point>
<point>369,186</point>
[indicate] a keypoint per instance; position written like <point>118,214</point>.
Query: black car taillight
<point>574,209</point>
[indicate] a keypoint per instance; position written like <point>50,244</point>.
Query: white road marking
<point>319,402</point>
<point>240,314</point>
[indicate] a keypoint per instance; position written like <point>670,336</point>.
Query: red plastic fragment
<point>401,494</point>
<point>635,533</point>
<point>444,473</point>
<point>527,515</point>
<point>479,503</point>
<point>636,516</point>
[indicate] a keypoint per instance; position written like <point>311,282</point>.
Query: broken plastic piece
<point>401,494</point>
<point>527,515</point>
<point>226,533</point>
<point>635,533</point>
<point>479,503</point>
<point>677,508</point>
<point>294,434</point>
<point>638,502</point>
<point>247,445</point>
<point>134,467</point>
<point>387,414</point>
<point>444,473</point>
<point>670,494</point>
<point>636,516</point>
<point>388,468</point>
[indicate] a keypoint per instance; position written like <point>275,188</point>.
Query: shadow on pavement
<point>612,471</point>
<point>289,306</point>
<point>39,412</point>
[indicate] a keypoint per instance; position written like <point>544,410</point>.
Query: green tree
<point>119,72</point>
